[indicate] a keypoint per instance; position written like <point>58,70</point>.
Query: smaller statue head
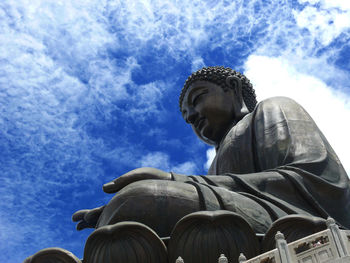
<point>214,99</point>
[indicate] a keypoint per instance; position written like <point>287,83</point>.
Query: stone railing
<point>330,245</point>
<point>222,259</point>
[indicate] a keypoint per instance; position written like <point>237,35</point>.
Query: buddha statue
<point>271,162</point>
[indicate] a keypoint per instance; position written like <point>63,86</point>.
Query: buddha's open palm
<point>88,218</point>
<point>144,173</point>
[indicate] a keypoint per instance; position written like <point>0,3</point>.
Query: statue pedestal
<point>205,237</point>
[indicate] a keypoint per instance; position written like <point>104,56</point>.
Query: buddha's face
<point>209,110</point>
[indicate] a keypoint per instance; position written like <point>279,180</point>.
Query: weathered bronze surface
<point>271,161</point>
<point>52,255</point>
<point>203,236</point>
<point>123,242</point>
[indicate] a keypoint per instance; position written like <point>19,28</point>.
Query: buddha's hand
<point>87,218</point>
<point>145,173</point>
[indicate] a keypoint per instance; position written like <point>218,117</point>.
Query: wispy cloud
<point>324,24</point>
<point>210,157</point>
<point>88,90</point>
<point>162,161</point>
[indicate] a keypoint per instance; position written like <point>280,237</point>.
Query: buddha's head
<point>213,100</point>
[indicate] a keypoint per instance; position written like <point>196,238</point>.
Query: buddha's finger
<point>145,173</point>
<point>79,215</point>
<point>110,188</point>
<point>123,181</point>
<point>82,224</point>
<point>93,215</point>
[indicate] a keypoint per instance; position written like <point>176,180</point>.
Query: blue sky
<point>89,90</point>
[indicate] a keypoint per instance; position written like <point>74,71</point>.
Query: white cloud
<point>329,108</point>
<point>309,1</point>
<point>188,168</point>
<point>341,4</point>
<point>157,160</point>
<point>325,24</point>
<point>146,101</point>
<point>210,157</point>
<point>197,63</point>
<point>162,161</point>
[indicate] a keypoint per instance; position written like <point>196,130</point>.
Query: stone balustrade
<point>330,245</point>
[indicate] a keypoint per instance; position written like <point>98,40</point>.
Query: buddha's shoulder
<point>267,112</point>
<point>277,104</point>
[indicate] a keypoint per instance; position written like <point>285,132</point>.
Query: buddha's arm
<point>237,182</point>
<point>223,181</point>
<point>230,182</point>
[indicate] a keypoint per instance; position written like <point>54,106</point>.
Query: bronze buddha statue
<point>271,161</point>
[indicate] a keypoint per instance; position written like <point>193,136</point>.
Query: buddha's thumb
<point>109,187</point>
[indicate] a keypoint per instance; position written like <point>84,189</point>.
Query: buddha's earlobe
<point>240,107</point>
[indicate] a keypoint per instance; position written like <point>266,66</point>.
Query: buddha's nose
<point>192,116</point>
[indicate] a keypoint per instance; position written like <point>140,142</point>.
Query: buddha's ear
<point>236,84</point>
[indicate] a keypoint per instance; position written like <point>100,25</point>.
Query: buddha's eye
<point>198,96</point>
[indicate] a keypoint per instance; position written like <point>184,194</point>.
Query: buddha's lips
<point>198,123</point>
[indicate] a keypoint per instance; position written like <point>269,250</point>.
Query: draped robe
<point>278,158</point>
<point>272,163</point>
